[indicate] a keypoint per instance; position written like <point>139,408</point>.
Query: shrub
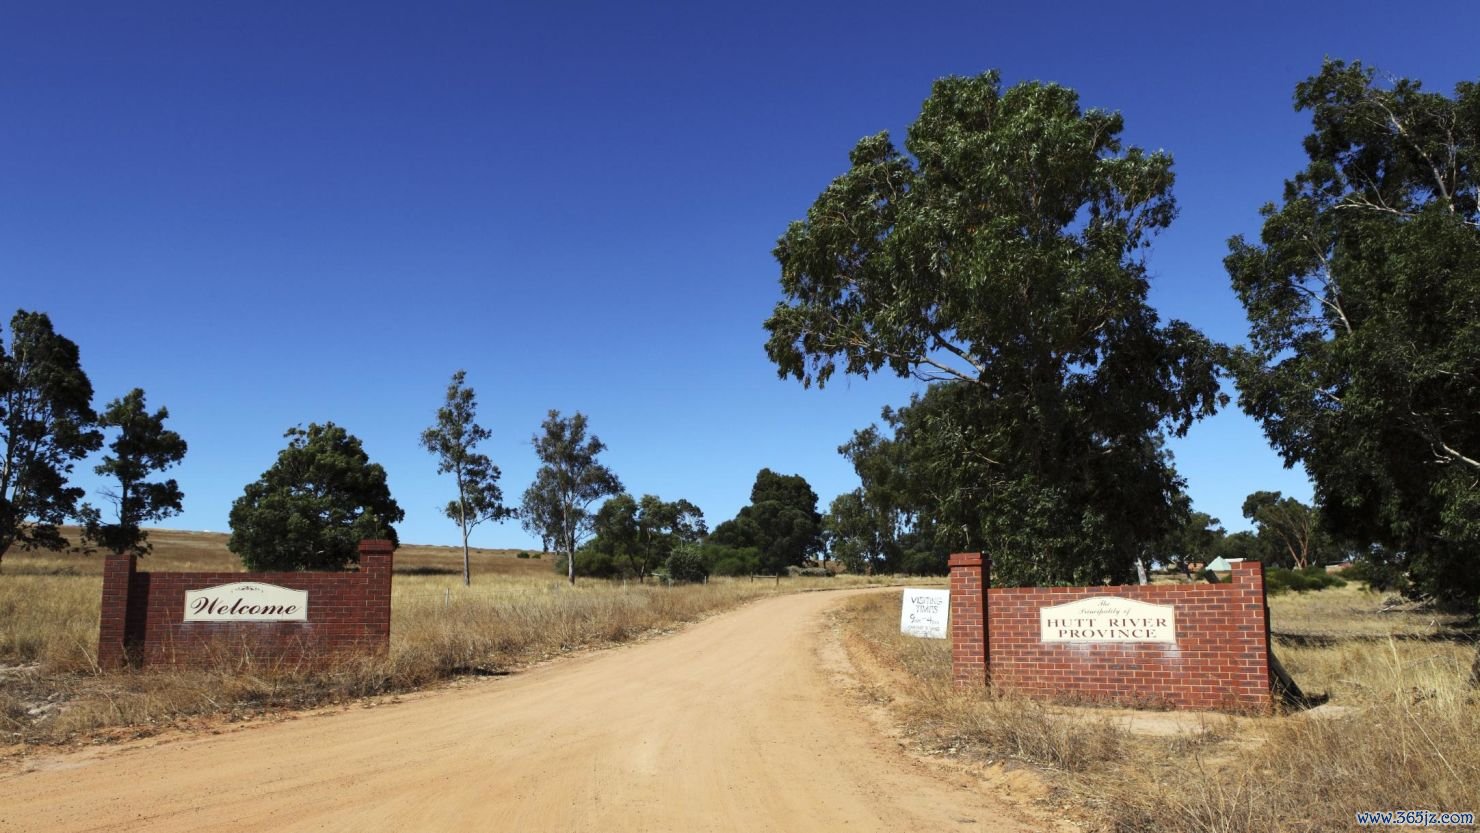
<point>522,555</point>
<point>1279,580</point>
<point>1380,576</point>
<point>590,563</point>
<point>730,561</point>
<point>686,565</point>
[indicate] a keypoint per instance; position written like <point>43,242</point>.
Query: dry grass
<point>517,611</point>
<point>943,720</point>
<point>1401,731</point>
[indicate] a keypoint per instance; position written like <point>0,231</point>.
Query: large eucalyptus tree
<point>1003,252</point>
<point>1363,297</point>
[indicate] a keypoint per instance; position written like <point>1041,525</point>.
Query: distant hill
<point>180,550</point>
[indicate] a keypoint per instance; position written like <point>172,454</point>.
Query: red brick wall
<point>1220,659</point>
<point>969,574</point>
<point>143,616</point>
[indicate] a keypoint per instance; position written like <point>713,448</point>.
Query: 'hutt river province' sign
<point>1108,619</point>
<point>246,601</point>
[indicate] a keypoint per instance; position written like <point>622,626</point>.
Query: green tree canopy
<point>781,522</point>
<point>641,534</point>
<point>852,533</point>
<point>1363,298</point>
<point>1002,255</point>
<point>557,506</point>
<point>141,446</point>
<point>1195,541</point>
<point>1289,531</point>
<point>311,509</point>
<point>454,439</point>
<point>1242,544</point>
<point>46,425</point>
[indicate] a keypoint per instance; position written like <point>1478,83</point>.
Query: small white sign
<point>925,613</point>
<point>1108,619</point>
<point>246,601</point>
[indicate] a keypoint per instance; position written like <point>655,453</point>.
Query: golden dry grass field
<point>518,611</point>
<point>1401,729</point>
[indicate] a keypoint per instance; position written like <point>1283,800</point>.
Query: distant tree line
<point>323,494</point>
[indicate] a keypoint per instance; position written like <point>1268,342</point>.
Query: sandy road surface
<point>732,724</point>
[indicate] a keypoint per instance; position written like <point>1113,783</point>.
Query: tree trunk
<point>570,559</point>
<point>1140,570</point>
<point>467,564</point>
<point>1475,670</point>
<point>569,534</point>
<point>462,523</point>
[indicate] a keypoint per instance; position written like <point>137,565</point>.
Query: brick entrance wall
<point>1220,659</point>
<point>143,616</point>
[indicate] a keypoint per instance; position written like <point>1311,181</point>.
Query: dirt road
<point>734,724</point>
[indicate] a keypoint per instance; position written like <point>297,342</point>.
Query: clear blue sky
<point>267,214</point>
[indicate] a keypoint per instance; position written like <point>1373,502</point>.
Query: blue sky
<point>267,214</point>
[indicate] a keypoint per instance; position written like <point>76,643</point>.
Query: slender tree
<point>46,425</point>
<point>663,526</point>
<point>852,533</point>
<point>568,482</point>
<point>142,446</point>
<point>454,439</point>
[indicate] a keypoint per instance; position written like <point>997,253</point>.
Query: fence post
<point>970,661</point>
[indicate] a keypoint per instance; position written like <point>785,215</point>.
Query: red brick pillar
<point>375,564</point>
<point>1253,629</point>
<point>118,578</point>
<point>970,576</point>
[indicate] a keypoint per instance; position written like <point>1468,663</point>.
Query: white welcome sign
<point>246,601</point>
<point>1108,619</point>
<point>925,613</point>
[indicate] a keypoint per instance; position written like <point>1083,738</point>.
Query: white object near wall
<point>246,601</point>
<point>925,613</point>
<point>1108,619</point>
